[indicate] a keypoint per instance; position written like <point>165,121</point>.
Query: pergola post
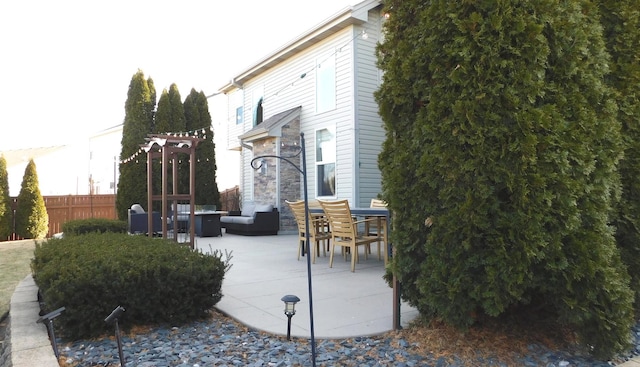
<point>170,147</point>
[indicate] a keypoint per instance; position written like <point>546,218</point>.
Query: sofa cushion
<point>248,209</point>
<point>137,209</point>
<point>236,219</point>
<point>243,220</point>
<point>264,208</point>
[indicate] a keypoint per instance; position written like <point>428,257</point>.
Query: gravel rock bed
<point>226,343</point>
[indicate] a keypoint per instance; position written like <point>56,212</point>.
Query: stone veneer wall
<point>290,177</point>
<point>265,190</point>
<point>264,184</point>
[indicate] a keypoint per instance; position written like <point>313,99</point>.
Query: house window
<point>326,162</point>
<point>326,84</point>
<point>257,113</point>
<point>239,118</point>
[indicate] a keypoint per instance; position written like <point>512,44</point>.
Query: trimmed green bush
<point>99,225</point>
<point>155,280</point>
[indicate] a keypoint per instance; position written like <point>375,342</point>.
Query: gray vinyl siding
<point>359,132</point>
<point>369,125</point>
<point>284,89</point>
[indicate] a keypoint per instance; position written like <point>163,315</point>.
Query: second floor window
<point>239,118</point>
<point>257,113</point>
<point>326,84</point>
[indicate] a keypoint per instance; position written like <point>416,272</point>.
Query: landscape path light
<point>302,171</point>
<point>289,310</point>
<point>113,317</point>
<point>47,320</point>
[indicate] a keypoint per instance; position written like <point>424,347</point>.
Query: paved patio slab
<point>265,268</point>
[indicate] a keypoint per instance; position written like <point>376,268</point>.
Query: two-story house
<point>320,84</point>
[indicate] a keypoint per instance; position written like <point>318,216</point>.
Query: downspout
<point>356,127</point>
<point>278,179</point>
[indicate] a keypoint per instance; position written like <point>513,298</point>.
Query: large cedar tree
<point>500,163</point>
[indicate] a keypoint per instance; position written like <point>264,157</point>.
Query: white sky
<point>66,65</point>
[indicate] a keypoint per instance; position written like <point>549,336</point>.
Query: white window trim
<point>331,159</point>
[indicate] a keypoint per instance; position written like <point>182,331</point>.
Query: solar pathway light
<point>48,321</point>
<point>289,310</point>
<point>113,317</point>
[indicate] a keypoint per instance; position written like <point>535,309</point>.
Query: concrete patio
<point>266,268</point>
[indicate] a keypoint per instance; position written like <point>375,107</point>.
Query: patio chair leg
<point>333,248</point>
<point>300,249</point>
<point>354,255</point>
<point>315,251</point>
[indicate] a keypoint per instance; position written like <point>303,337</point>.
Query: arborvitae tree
<point>32,220</point>
<point>178,120</point>
<point>169,118</point>
<point>621,22</point>
<point>6,216</point>
<point>196,110</point>
<point>162,122</point>
<point>138,121</point>
<point>500,163</point>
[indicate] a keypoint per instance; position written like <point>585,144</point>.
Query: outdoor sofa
<point>138,221</point>
<point>253,220</point>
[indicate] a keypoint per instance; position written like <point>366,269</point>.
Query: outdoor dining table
<point>379,213</point>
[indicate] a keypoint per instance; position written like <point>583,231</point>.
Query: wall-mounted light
<point>263,166</point>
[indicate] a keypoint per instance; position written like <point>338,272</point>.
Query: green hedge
<point>100,225</point>
<point>155,280</point>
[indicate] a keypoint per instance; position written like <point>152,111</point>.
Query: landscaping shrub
<point>155,280</point>
<point>32,219</point>
<point>501,163</point>
<point>99,225</point>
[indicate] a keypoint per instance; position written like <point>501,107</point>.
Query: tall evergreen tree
<point>500,162</point>
<point>32,220</point>
<point>6,215</point>
<point>169,118</point>
<point>138,122</point>
<point>178,119</point>
<point>621,22</point>
<point>196,110</point>
<point>162,121</point>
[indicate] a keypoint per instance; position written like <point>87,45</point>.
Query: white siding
<point>235,99</point>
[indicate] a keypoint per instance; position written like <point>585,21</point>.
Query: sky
<point>66,65</point>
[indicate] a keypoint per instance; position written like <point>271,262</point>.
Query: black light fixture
<point>113,317</point>
<point>289,310</point>
<point>47,320</point>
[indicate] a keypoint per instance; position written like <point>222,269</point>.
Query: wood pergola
<point>167,148</point>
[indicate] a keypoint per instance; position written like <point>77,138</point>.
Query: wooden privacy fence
<point>230,199</point>
<point>69,207</point>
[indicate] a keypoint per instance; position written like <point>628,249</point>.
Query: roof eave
<point>341,20</point>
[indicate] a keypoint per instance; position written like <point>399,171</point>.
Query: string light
<point>362,34</point>
<point>191,133</point>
